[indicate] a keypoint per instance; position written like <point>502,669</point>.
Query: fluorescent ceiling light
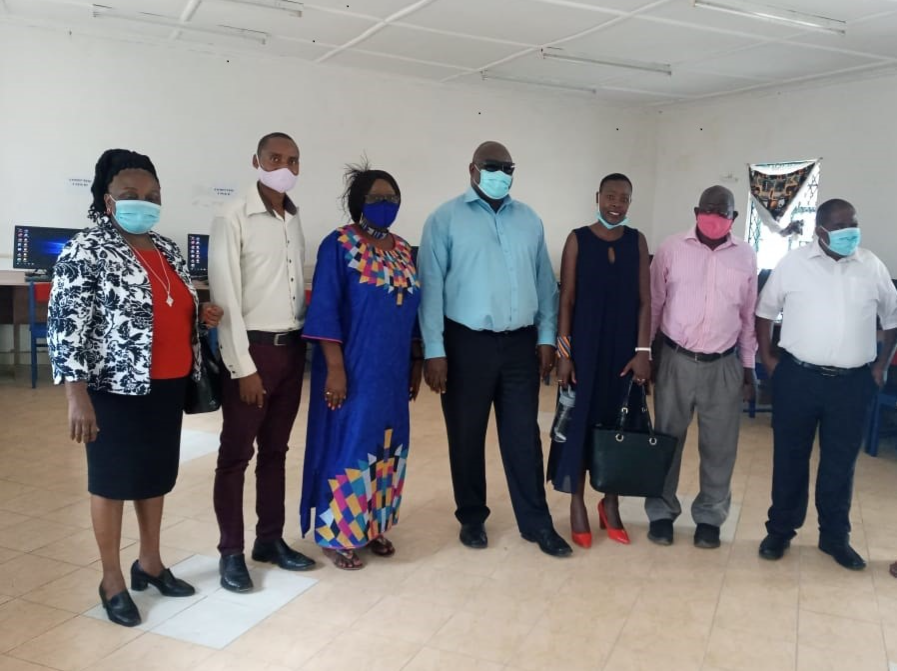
<point>560,55</point>
<point>788,17</point>
<point>537,82</point>
<point>289,6</point>
<point>102,12</point>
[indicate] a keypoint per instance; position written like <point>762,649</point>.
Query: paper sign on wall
<point>223,191</point>
<point>78,186</point>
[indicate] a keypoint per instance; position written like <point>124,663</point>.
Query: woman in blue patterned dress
<point>367,367</point>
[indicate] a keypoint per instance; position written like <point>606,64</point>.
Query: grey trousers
<point>714,389</point>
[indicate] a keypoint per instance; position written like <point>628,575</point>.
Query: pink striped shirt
<point>704,299</point>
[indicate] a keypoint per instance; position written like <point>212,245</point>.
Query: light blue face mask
<point>845,241</point>
<point>609,226</point>
<point>136,216</point>
<point>495,184</point>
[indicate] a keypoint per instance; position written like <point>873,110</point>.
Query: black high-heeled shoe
<point>165,582</point>
<point>121,608</point>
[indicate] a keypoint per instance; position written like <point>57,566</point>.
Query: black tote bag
<point>630,461</point>
<point>204,394</point>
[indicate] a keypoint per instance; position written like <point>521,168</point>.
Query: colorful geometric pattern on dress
<point>365,500</point>
<point>392,269</point>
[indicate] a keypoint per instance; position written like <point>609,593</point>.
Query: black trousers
<point>501,369</point>
<point>804,401</point>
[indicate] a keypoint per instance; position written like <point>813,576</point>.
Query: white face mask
<point>281,180</point>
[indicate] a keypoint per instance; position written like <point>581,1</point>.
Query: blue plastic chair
<point>38,294</point>
<point>886,398</point>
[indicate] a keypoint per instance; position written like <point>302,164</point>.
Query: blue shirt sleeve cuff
<point>434,349</point>
<point>548,336</point>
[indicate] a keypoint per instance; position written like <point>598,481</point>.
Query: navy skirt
<point>137,450</point>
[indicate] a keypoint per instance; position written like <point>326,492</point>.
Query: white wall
<point>64,99</point>
<point>850,125</point>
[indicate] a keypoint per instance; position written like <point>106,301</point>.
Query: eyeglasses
<point>494,166</point>
<point>373,199</point>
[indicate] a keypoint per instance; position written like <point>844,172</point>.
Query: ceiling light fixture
<point>102,12</point>
<point>788,17</point>
<point>561,55</point>
<point>291,7</point>
<point>486,75</point>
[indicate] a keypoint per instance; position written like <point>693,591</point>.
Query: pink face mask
<point>714,226</point>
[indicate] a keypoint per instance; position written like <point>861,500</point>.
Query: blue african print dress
<point>356,456</point>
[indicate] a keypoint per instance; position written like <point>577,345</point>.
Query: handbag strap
<point>624,406</point>
<point>645,413</point>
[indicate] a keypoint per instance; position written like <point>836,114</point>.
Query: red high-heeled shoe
<point>583,540</point>
<point>618,535</point>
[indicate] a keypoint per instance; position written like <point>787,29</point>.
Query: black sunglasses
<point>494,166</point>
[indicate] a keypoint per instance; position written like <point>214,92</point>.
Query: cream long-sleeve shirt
<point>256,261</point>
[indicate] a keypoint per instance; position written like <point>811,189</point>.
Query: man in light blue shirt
<point>488,317</point>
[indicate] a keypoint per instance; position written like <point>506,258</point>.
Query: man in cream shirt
<point>256,256</point>
<point>824,375</point>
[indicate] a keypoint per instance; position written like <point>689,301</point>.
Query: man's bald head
<point>491,151</point>
<point>836,211</point>
<point>718,200</point>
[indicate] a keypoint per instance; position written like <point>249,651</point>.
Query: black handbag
<point>204,394</point>
<point>627,460</point>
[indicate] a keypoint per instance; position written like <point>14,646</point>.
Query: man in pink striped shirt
<point>703,295</point>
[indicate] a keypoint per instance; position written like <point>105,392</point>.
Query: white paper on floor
<point>195,444</point>
<point>213,617</point>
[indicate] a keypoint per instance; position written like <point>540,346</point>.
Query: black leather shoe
<point>706,536</point>
<point>165,582</point>
<point>844,555</point>
<point>279,553</point>
<point>474,536</point>
<point>661,532</point>
<point>549,542</point>
<point>234,574</point>
<point>773,547</point>
<point>121,608</point>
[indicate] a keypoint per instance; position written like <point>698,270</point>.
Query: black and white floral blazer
<point>100,319</point>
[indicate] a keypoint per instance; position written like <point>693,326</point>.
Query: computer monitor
<point>38,247</point>
<point>198,254</point>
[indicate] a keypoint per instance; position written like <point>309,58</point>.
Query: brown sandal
<point>381,547</point>
<point>346,560</point>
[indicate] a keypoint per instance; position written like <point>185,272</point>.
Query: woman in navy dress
<point>604,325</point>
<point>367,367</point>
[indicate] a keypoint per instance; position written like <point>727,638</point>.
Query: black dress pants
<point>804,401</point>
<point>486,368</point>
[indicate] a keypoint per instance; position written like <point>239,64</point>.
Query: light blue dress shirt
<point>486,270</point>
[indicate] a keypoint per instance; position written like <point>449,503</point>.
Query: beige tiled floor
<point>437,605</point>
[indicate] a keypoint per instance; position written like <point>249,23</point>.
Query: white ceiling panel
<point>371,61</point>
<point>296,49</point>
<point>164,7</point>
<point>60,11</point>
<point>428,46</point>
<point>312,26</point>
<point>842,10</point>
<point>780,62</point>
<point>525,21</point>
<point>683,83</point>
<point>873,37</point>
<point>615,5</point>
<point>378,8</point>
<point>641,40</point>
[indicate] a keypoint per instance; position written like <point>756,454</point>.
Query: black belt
<point>697,356</point>
<point>277,339</point>
<point>825,371</point>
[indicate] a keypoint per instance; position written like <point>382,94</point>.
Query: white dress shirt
<point>256,275</point>
<point>829,307</point>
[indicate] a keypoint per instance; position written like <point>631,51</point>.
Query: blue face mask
<point>495,184</point>
<point>136,216</point>
<point>381,214</point>
<point>609,226</point>
<point>844,242</point>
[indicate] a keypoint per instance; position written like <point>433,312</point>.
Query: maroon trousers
<point>281,369</point>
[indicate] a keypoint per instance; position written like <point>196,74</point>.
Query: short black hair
<point>359,180</point>
<point>825,211</point>
<point>112,162</point>
<point>615,177</point>
<point>272,136</point>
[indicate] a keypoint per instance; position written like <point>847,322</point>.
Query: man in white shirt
<point>824,376</point>
<point>256,256</point>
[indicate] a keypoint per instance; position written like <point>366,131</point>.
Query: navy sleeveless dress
<point>604,338</point>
